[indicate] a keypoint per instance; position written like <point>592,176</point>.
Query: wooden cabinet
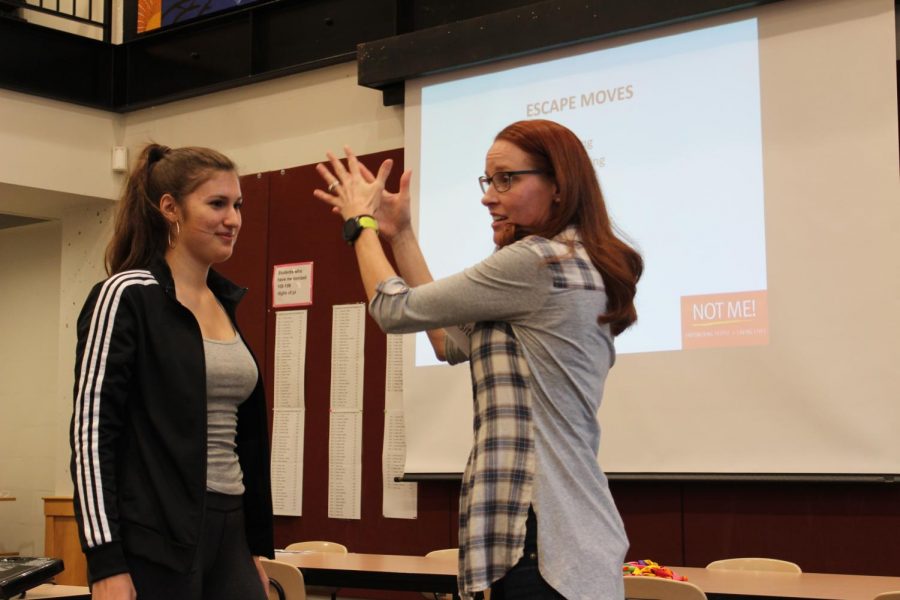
<point>61,540</point>
<point>8,499</point>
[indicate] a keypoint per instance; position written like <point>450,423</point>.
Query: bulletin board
<point>284,223</point>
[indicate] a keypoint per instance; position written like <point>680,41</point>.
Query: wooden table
<point>375,571</point>
<point>811,586</point>
<point>417,573</point>
<point>61,539</point>
<point>8,499</point>
<point>46,591</point>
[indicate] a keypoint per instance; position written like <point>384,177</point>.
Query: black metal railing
<point>93,13</point>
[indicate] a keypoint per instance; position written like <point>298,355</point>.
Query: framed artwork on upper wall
<point>159,14</point>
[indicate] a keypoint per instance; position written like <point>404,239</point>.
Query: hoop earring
<point>177,233</point>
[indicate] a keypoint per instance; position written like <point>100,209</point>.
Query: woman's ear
<point>169,208</point>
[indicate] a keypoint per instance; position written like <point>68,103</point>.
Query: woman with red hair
<point>536,516</point>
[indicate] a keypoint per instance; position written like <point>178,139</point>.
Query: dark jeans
<point>524,581</point>
<point>223,569</point>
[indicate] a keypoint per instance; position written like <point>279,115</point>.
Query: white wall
<point>276,124</point>
<point>86,228</point>
<point>50,145</point>
<point>29,320</point>
<point>57,164</point>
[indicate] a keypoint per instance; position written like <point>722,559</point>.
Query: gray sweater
<point>581,538</point>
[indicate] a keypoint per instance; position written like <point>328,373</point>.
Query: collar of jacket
<point>227,292</point>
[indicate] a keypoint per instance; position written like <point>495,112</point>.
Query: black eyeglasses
<point>502,180</point>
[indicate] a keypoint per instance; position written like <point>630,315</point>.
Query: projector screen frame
<point>386,64</point>
<point>800,21</point>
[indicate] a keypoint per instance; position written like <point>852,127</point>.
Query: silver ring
<point>333,185</point>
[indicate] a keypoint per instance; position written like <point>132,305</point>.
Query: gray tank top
<point>230,378</point>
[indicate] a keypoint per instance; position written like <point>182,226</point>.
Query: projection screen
<point>753,160</point>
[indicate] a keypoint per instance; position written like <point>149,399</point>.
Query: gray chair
<point>755,564</point>
<point>285,580</point>
<point>657,588</point>
<point>443,553</point>
<point>319,546</point>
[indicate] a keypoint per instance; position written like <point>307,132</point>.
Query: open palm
<point>393,213</point>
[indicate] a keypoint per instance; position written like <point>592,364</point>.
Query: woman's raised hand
<point>393,214</point>
<point>352,190</point>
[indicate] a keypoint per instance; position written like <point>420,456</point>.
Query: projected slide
<point>673,128</point>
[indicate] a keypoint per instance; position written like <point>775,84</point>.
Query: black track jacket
<point>138,431</point>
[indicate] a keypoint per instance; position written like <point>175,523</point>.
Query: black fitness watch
<point>354,225</point>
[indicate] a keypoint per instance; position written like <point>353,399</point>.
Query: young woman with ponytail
<point>169,441</point>
<point>536,519</point>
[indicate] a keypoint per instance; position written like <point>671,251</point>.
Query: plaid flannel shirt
<point>496,486</point>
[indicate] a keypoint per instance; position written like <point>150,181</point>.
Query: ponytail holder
<point>157,153</point>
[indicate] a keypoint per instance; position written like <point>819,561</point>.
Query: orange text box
<point>717,320</point>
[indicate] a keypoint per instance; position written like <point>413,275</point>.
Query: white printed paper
<point>345,465</point>
<point>399,500</point>
<point>393,375</point>
<point>290,358</point>
<point>288,432</point>
<point>348,328</point>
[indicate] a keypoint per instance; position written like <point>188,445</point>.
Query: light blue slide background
<point>682,164</point>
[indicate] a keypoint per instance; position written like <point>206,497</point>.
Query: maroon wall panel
<point>823,527</point>
<point>303,229</point>
<point>652,515</point>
